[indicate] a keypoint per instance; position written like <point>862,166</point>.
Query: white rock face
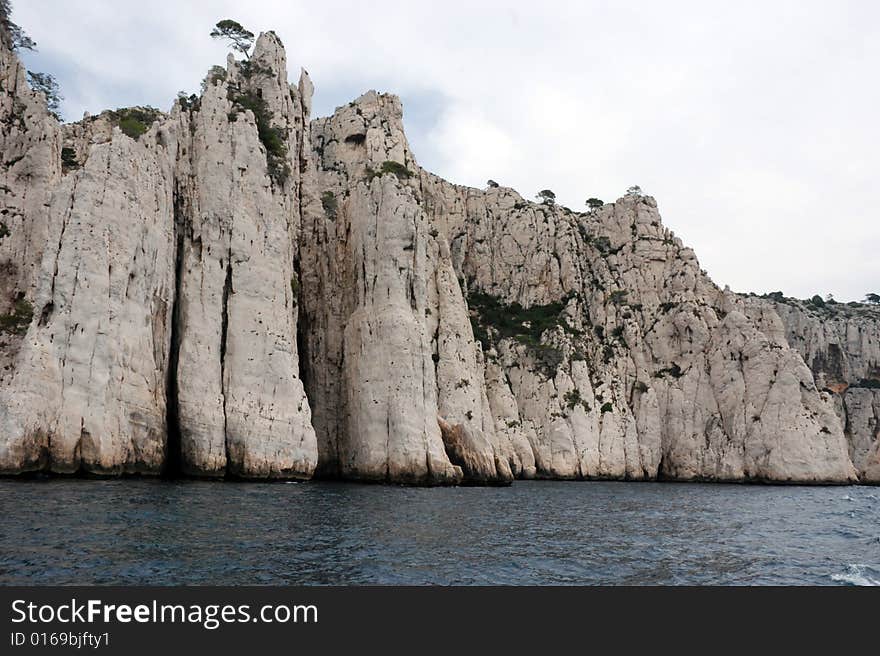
<point>241,407</point>
<point>242,292</point>
<point>391,356</point>
<point>841,345</point>
<point>187,215</point>
<point>88,279</point>
<point>30,167</point>
<point>90,392</point>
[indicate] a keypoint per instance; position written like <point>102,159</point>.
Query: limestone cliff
<point>841,345</point>
<point>234,289</point>
<point>159,290</point>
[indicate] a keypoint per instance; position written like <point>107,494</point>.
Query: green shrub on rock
<point>546,197</point>
<point>492,320</point>
<point>330,204</point>
<point>68,159</point>
<point>573,399</point>
<point>396,168</point>
<point>215,74</point>
<point>134,121</point>
<point>17,321</point>
<point>271,136</point>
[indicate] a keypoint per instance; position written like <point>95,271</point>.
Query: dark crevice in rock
<point>46,313</point>
<point>451,444</point>
<point>323,469</point>
<point>224,328</point>
<point>64,221</point>
<point>173,455</point>
<point>847,428</point>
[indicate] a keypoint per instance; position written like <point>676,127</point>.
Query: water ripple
<point>189,532</point>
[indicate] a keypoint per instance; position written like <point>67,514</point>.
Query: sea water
<point>158,532</point>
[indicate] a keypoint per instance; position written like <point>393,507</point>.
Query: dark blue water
<point>155,532</point>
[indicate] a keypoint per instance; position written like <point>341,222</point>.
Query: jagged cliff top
<point>824,308</point>
<point>253,293</point>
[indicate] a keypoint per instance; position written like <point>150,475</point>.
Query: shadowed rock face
<point>240,291</point>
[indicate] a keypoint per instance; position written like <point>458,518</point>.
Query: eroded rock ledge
<point>235,290</point>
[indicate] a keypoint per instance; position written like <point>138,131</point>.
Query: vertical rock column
<point>30,167</point>
<point>392,429</point>
<point>241,407</point>
<point>87,270</point>
<point>89,389</point>
<point>366,273</point>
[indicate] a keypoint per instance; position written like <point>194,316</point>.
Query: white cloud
<point>473,146</point>
<point>753,123</point>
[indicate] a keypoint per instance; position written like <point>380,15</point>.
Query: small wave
<point>847,497</point>
<point>856,575</point>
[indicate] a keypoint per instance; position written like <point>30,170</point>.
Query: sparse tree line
<point>818,301</point>
<point>241,40</point>
<point>548,197</point>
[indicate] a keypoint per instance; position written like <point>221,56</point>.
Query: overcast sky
<point>754,124</point>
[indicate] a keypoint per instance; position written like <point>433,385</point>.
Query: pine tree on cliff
<point>11,35</point>
<point>239,38</point>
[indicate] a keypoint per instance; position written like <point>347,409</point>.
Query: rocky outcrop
<point>233,289</point>
<point>389,341</point>
<point>30,168</point>
<point>164,302</point>
<point>841,345</point>
<point>622,359</point>
<point>240,407</point>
